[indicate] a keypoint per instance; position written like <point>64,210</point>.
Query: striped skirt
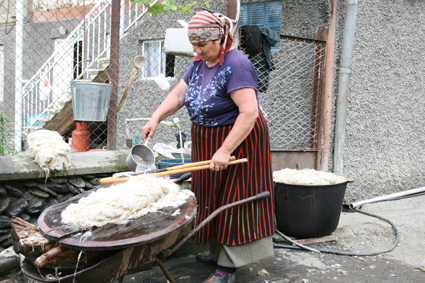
<point>244,223</point>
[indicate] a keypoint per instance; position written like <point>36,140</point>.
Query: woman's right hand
<point>149,129</point>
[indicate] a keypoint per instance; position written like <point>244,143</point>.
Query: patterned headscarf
<point>206,26</point>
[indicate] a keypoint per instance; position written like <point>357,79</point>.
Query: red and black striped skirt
<point>245,223</point>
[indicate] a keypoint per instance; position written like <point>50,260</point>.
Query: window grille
<point>157,62</point>
<point>155,58</point>
<point>266,14</point>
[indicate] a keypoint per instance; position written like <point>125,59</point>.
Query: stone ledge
<point>22,166</point>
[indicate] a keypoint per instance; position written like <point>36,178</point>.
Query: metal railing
<point>91,39</point>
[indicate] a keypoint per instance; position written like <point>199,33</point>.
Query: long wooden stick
<point>195,168</point>
<point>112,180</point>
<point>186,165</point>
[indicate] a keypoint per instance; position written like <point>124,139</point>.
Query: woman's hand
<point>220,160</point>
<point>149,129</point>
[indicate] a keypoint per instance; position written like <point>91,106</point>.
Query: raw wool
<point>307,177</point>
<point>121,202</point>
<point>9,252</point>
<point>51,152</point>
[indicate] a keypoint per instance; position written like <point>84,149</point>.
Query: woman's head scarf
<point>206,26</point>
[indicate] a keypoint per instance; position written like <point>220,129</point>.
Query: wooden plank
<point>293,159</point>
<point>329,238</point>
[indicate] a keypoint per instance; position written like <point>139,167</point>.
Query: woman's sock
<point>225,271</point>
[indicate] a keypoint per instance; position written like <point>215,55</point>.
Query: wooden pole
<point>113,74</point>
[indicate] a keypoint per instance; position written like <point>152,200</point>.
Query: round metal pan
<point>146,229</point>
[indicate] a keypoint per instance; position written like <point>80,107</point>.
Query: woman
<point>220,90</point>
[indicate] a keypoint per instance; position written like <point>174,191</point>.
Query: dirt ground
<point>356,233</point>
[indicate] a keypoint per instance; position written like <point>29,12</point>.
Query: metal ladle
<point>140,156</point>
<point>138,62</point>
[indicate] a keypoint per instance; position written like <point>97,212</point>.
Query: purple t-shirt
<point>207,98</point>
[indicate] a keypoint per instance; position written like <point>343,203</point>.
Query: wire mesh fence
<point>45,46</point>
<point>292,102</point>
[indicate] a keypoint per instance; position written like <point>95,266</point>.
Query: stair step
<point>34,128</point>
<point>93,73</point>
<point>105,62</point>
<point>43,121</point>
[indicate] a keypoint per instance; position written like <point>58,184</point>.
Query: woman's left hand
<point>219,160</point>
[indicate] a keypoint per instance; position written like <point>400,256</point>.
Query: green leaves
<point>6,136</point>
<point>166,6</point>
<point>156,9</point>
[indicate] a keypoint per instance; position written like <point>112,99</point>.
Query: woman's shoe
<point>220,277</point>
<point>206,259</point>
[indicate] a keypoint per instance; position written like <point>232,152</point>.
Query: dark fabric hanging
<point>257,42</point>
<point>251,40</point>
<point>269,39</point>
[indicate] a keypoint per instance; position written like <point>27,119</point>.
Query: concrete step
<point>105,62</point>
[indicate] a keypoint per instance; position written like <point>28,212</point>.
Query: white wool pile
<point>121,202</point>
<point>50,151</point>
<point>8,253</point>
<point>307,177</point>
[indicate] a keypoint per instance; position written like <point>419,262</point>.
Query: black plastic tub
<point>308,211</point>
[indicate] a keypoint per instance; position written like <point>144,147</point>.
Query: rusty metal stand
<point>165,270</point>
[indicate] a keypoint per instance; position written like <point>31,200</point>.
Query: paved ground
<point>356,233</point>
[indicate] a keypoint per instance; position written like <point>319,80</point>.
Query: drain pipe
<point>327,89</point>
<point>19,47</point>
<point>344,81</point>
<point>388,197</point>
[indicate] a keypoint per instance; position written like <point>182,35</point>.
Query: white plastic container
<point>162,82</point>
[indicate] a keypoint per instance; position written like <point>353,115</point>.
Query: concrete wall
<point>145,95</point>
<point>302,18</point>
<point>385,126</point>
<point>384,134</point>
<point>8,43</point>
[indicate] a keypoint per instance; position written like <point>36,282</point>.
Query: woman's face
<point>208,50</point>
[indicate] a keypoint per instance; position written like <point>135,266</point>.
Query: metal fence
<point>42,50</point>
<point>44,46</point>
<point>292,103</point>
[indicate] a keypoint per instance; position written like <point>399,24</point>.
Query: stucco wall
<point>9,74</point>
<point>302,18</point>
<point>385,126</point>
<point>145,95</point>
<point>384,134</point>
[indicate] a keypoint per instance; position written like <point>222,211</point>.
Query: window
<point>1,73</point>
<point>267,14</point>
<point>78,59</point>
<point>157,62</point>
